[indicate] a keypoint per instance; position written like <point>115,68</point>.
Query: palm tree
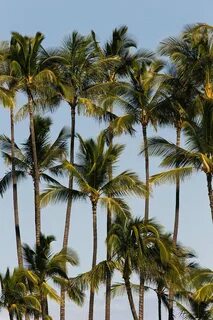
<point>45,265</point>
<point>139,246</point>
<point>15,296</point>
<point>48,154</point>
<point>91,175</point>
<point>176,107</point>
<point>32,74</point>
<point>198,154</point>
<point>11,84</point>
<point>117,53</point>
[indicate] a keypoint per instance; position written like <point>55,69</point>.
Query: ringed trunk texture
<point>35,172</point>
<point>15,194</point>
<point>177,196</point>
<point>69,205</point>
<point>210,191</point>
<point>141,298</point>
<point>130,298</point>
<point>108,276</point>
<point>94,258</point>
<point>146,153</point>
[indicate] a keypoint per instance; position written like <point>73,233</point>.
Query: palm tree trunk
<point>94,258</point>
<point>10,316</point>
<point>177,197</point>
<point>170,305</point>
<point>130,298</point>
<point>35,171</point>
<point>108,276</point>
<point>15,194</point>
<point>146,153</point>
<point>141,298</point>
<point>210,192</point>
<point>159,307</point>
<point>69,205</point>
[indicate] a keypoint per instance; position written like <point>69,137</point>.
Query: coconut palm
<point>176,107</point>
<point>48,154</point>
<point>139,247</point>
<point>32,74</point>
<point>11,84</point>
<point>15,296</point>
<point>91,175</point>
<point>45,265</point>
<point>198,154</point>
<point>116,52</point>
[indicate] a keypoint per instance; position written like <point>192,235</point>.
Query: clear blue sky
<point>149,22</point>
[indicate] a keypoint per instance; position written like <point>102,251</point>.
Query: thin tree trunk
<point>69,205</point>
<point>146,213</point>
<point>146,153</point>
<point>10,316</point>
<point>141,298</point>
<point>130,298</point>
<point>108,276</point>
<point>210,192</point>
<point>94,258</point>
<point>159,307</point>
<point>177,196</point>
<point>35,172</point>
<point>43,306</point>
<point>15,194</point>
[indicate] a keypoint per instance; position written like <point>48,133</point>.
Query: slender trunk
<point>15,194</point>
<point>146,153</point>
<point>170,305</point>
<point>108,276</point>
<point>35,171</point>
<point>159,307</point>
<point>10,316</point>
<point>141,298</point>
<point>94,258</point>
<point>130,298</point>
<point>69,205</point>
<point>210,192</point>
<point>44,304</point>
<point>146,214</point>
<point>177,197</point>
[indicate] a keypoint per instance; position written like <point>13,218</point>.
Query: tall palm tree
<point>45,265</point>
<point>198,152</point>
<point>49,154</point>
<point>116,52</point>
<point>91,175</point>
<point>176,107</point>
<point>11,84</point>
<point>32,74</point>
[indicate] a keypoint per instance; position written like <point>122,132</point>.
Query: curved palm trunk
<point>108,276</point>
<point>69,205</point>
<point>210,192</point>
<point>141,298</point>
<point>177,197</point>
<point>130,298</point>
<point>94,258</point>
<point>15,194</point>
<point>35,171</point>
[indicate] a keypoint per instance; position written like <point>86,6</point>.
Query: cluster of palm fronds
<point>124,87</point>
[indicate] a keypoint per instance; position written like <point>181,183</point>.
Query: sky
<point>149,23</point>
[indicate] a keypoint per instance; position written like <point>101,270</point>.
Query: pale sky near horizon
<point>149,22</point>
